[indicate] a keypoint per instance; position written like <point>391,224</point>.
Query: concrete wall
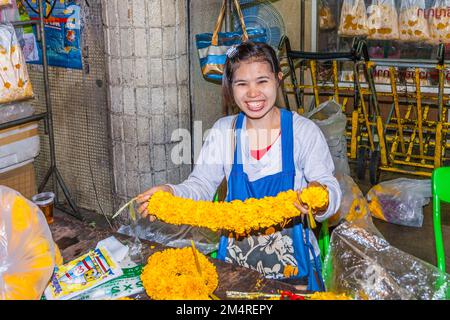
<point>148,90</point>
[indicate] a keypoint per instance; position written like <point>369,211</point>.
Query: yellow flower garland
<point>329,296</point>
<point>238,216</point>
<point>172,275</point>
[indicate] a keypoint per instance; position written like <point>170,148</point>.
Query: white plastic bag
<point>15,83</point>
<point>382,20</point>
<point>27,250</point>
<point>439,21</point>
<point>353,20</point>
<point>400,201</point>
<point>332,121</point>
<point>413,26</point>
<point>353,203</point>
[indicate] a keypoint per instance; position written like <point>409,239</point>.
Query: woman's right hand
<point>142,200</point>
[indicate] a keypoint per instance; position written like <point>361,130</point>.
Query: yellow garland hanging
<point>329,296</point>
<point>238,216</point>
<point>173,275</point>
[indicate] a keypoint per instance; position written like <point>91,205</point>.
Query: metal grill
<point>80,120</point>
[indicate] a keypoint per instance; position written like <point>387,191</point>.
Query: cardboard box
<point>22,179</point>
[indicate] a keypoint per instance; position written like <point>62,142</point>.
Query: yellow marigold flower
<point>315,197</point>
<point>173,275</point>
<point>238,216</point>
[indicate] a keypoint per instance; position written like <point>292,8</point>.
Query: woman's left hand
<point>304,207</point>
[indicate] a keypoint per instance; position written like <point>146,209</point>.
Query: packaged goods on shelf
<point>439,21</point>
<point>413,26</point>
<point>353,20</point>
<point>382,20</point>
<point>326,17</point>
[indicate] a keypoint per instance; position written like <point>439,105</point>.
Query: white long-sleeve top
<point>312,161</point>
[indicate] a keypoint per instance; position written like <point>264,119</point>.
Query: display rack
<point>47,116</point>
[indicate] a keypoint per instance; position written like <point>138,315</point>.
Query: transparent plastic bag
<point>27,250</point>
<point>439,21</point>
<point>413,26</point>
<point>400,201</point>
<point>353,204</point>
<point>382,20</point>
<point>171,235</point>
<point>353,20</point>
<point>366,266</point>
<point>15,83</point>
<point>332,121</point>
<point>15,111</point>
<point>326,16</point>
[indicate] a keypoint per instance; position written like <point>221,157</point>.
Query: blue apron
<point>239,187</point>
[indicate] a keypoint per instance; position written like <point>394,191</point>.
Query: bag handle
<point>215,37</point>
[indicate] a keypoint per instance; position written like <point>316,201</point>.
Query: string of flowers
<point>238,216</point>
<point>172,274</point>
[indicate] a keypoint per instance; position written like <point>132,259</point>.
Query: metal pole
<point>57,178</point>
<point>228,14</point>
<point>48,101</point>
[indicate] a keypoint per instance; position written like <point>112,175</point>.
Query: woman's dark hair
<point>254,51</point>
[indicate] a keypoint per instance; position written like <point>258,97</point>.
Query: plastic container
<point>45,202</point>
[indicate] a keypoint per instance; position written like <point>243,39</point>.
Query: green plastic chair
<point>441,192</point>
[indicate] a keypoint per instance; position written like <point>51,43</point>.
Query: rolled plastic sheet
<point>362,264</point>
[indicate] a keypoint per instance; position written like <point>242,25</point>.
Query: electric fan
<point>261,14</point>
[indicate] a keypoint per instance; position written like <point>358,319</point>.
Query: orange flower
<point>172,275</point>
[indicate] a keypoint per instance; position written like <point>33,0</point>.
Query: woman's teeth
<point>255,105</point>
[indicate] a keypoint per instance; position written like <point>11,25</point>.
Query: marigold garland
<point>172,275</point>
<point>238,216</point>
<point>329,296</point>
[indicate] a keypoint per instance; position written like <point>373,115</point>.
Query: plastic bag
<point>400,201</point>
<point>332,121</point>
<point>439,21</point>
<point>366,266</point>
<point>413,26</point>
<point>27,250</point>
<point>206,241</point>
<point>326,17</point>
<point>15,83</point>
<point>15,111</point>
<point>382,20</point>
<point>353,20</point>
<point>353,203</point>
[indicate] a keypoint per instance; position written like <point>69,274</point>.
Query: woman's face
<point>255,88</point>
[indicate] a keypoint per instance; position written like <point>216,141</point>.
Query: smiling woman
<point>294,155</point>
